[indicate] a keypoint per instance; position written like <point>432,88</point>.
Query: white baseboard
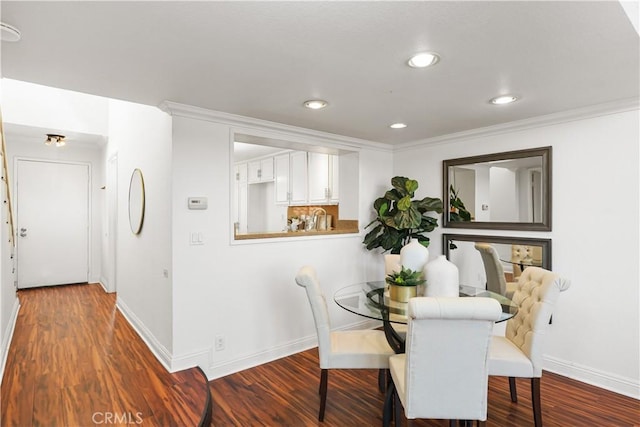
<point>618,384</point>
<point>8,336</point>
<point>218,370</point>
<point>158,350</point>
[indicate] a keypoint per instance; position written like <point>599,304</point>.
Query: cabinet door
<point>298,177</point>
<point>334,179</point>
<point>266,169</point>
<point>318,178</point>
<point>254,171</point>
<point>282,179</point>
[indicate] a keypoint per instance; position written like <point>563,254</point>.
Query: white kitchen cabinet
<point>240,197</point>
<point>282,181</point>
<point>260,171</point>
<point>298,177</point>
<point>318,177</point>
<point>323,178</point>
<point>334,179</point>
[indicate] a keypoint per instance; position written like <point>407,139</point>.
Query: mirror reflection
<point>495,262</point>
<point>510,190</point>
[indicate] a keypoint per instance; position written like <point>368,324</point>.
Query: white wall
<point>245,292</point>
<point>595,332</point>
<point>141,136</point>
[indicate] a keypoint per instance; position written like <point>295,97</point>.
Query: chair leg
<point>324,379</point>
<point>382,379</point>
<point>535,400</point>
<point>397,409</point>
<point>513,390</point>
<point>388,405</point>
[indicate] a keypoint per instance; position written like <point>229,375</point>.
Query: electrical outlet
<point>220,343</point>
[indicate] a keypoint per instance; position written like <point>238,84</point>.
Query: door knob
<point>23,232</point>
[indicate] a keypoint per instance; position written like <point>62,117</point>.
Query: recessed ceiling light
<point>423,60</point>
<point>505,99</point>
<point>398,126</point>
<point>315,104</point>
<point>9,33</point>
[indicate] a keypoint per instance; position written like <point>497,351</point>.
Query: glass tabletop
<point>370,299</point>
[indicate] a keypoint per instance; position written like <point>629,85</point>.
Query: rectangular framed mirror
<point>501,191</point>
<point>514,255</point>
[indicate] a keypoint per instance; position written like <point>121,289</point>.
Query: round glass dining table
<point>371,299</point>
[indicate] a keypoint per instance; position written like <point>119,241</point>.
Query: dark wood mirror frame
<point>544,225</point>
<point>544,243</point>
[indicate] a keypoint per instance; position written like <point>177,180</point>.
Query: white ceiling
<point>263,59</point>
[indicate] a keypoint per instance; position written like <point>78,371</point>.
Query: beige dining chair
<point>361,349</point>
<point>518,354</point>
<point>496,281</point>
<point>444,373</point>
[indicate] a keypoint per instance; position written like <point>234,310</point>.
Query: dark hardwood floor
<point>75,361</point>
<point>285,393</point>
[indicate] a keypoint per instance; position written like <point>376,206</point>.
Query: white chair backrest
<point>496,281</point>
<point>535,296</point>
<point>446,367</point>
<point>308,279</point>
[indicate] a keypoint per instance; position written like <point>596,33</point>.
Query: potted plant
<point>458,211</point>
<point>400,219</point>
<point>403,284</point>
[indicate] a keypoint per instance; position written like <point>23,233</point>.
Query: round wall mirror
<point>136,201</point>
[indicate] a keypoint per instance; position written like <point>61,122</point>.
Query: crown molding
<point>189,111</point>
<point>621,106</point>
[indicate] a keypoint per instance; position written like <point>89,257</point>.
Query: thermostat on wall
<point>197,203</point>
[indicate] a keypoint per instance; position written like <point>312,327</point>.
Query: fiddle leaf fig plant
<point>458,211</point>
<point>399,218</point>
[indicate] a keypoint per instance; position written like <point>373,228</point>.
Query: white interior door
<point>53,223</point>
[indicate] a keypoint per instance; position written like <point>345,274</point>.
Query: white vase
<point>414,256</point>
<point>442,278</point>
<point>391,264</point>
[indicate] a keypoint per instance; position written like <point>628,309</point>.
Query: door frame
<point>112,217</point>
<point>18,159</point>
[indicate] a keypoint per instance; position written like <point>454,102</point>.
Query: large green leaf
<point>404,203</point>
<point>370,237</point>
<point>411,185</point>
<point>408,219</point>
<point>430,204</point>
<point>400,184</point>
<point>393,195</point>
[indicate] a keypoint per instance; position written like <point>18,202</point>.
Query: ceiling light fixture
<point>9,33</point>
<point>504,99</point>
<point>423,60</point>
<point>398,126</point>
<point>57,140</point>
<point>315,104</point>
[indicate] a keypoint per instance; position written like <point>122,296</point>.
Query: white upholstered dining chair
<point>362,349</point>
<point>518,354</point>
<point>444,373</point>
<point>496,281</point>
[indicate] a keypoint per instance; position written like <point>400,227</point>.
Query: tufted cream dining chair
<point>443,374</point>
<point>518,354</point>
<point>496,281</point>
<point>363,349</point>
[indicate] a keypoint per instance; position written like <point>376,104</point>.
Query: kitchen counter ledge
<point>351,227</point>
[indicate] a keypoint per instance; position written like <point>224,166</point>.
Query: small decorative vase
<point>442,278</point>
<point>414,256</point>
<point>402,293</point>
<point>391,264</point>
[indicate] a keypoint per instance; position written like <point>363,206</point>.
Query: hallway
<point>75,361</point>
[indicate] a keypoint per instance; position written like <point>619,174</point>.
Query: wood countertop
<point>344,227</point>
